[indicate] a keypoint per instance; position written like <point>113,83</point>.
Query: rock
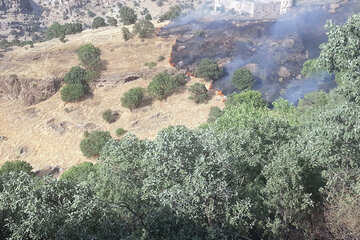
<point>284,72</point>
<point>134,123</point>
<point>23,150</point>
<point>59,127</point>
<point>334,7</point>
<point>288,43</point>
<point>49,171</point>
<point>3,138</point>
<point>31,91</point>
<point>87,126</point>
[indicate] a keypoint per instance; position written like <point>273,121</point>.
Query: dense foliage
<point>162,86</point>
<point>127,15</point>
<point>126,33</point>
<point>173,13</point>
<point>199,93</point>
<point>73,92</point>
<point>98,23</point>
<point>112,21</point>
<point>243,79</point>
<point>132,98</point>
<point>209,70</point>
<point>89,56</point>
<point>15,166</point>
<point>109,116</point>
<point>144,28</point>
<point>57,30</point>
<point>253,172</point>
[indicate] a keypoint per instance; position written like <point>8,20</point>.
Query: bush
<point>162,86</point>
<point>79,173</point>
<point>93,143</point>
<point>243,79</point>
<point>126,33</point>
<point>144,28</point>
<point>199,93</point>
<point>215,113</point>
<point>98,23</point>
<point>120,132</point>
<point>57,30</point>
<point>76,75</point>
<point>112,21</point>
<point>127,15</point>
<point>161,58</point>
<point>310,68</point>
<point>15,166</point>
<point>89,56</point>
<point>150,65</point>
<point>109,116</point>
<point>132,98</point>
<point>209,70</point>
<point>148,17</point>
<point>173,13</point>
<point>180,78</point>
<point>73,92</point>
<point>249,97</point>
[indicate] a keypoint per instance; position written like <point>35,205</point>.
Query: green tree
<point>249,97</point>
<point>79,173</point>
<point>148,17</point>
<point>162,85</point>
<point>199,93</point>
<point>93,143</point>
<point>109,116</point>
<point>15,166</point>
<point>132,98</point>
<point>243,79</point>
<point>120,132</point>
<point>209,70</point>
<point>127,15</point>
<point>98,23</point>
<point>126,33</point>
<point>89,56</point>
<point>144,28</point>
<point>73,92</point>
<point>76,75</point>
<point>173,13</point>
<point>215,113</point>
<point>112,21</point>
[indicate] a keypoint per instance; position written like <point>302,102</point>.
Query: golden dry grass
<point>28,126</point>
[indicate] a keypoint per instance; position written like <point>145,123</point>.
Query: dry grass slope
<point>52,130</point>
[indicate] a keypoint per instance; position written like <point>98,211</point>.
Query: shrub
<point>92,145</point>
<point>162,86</point>
<point>215,113</point>
<point>15,166</point>
<point>173,13</point>
<point>199,93</point>
<point>209,70</point>
<point>150,65</point>
<point>91,14</point>
<point>180,78</point>
<point>132,98</point>
<point>243,79</point>
<point>249,97</point>
<point>79,172</point>
<point>98,22</point>
<point>109,116</point>
<point>126,33</point>
<point>144,28</point>
<point>112,21</point>
<point>148,17</point>
<point>310,68</point>
<point>76,75</point>
<point>89,56</point>
<point>161,58</point>
<point>120,132</point>
<point>57,30</point>
<point>73,28</point>
<point>73,92</point>
<point>127,15</point>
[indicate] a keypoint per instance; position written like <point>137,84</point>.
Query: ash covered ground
<point>274,50</point>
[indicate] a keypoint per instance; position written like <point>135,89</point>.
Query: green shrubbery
<point>98,23</point>
<point>127,15</point>
<point>80,172</point>
<point>162,85</point>
<point>209,70</point>
<point>89,56</point>
<point>132,98</point>
<point>243,79</point>
<point>93,143</point>
<point>112,21</point>
<point>199,93</point>
<point>57,30</point>
<point>16,167</point>
<point>109,116</point>
<point>173,13</point>
<point>120,132</point>
<point>215,113</point>
<point>126,33</point>
<point>144,28</point>
<point>73,92</point>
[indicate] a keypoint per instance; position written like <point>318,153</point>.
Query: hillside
<point>49,133</point>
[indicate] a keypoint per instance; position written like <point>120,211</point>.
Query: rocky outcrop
<point>16,6</point>
<point>31,91</point>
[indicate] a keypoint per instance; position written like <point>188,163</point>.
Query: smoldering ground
<point>273,49</point>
